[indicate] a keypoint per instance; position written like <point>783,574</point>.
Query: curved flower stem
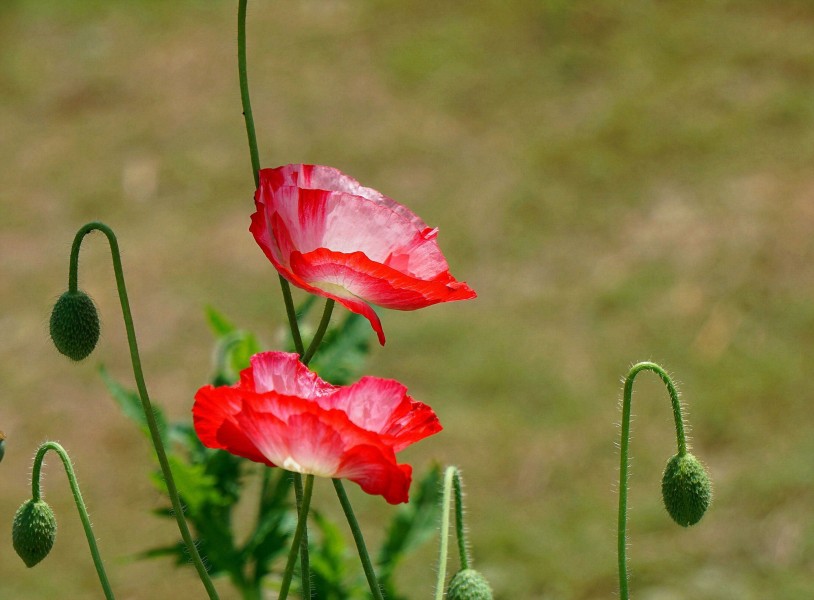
<point>452,481</point>
<point>138,374</point>
<point>323,327</point>
<point>244,90</point>
<point>288,300</point>
<point>295,544</point>
<point>623,459</point>
<point>255,155</point>
<point>367,565</point>
<point>80,506</point>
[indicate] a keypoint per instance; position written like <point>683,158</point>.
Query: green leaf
<point>328,558</point>
<point>130,404</point>
<point>342,354</point>
<point>413,524</point>
<point>233,348</point>
<point>275,523</point>
<point>218,323</point>
<point>196,487</point>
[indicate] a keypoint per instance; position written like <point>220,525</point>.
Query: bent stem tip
<point>681,442</point>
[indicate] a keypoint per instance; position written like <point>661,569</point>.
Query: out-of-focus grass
<point>619,181</point>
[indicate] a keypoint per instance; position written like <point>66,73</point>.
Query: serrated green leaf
<point>413,524</point>
<point>233,348</point>
<point>341,356</point>
<point>275,523</point>
<point>328,558</point>
<point>196,487</point>
<point>130,404</point>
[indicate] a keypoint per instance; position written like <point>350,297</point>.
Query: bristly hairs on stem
<point>36,496</point>
<point>452,482</point>
<point>141,386</point>
<point>686,490</point>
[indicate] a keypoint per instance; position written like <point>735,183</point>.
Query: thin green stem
<point>244,90</point>
<point>452,482</point>
<point>138,374</point>
<point>367,565</point>
<point>251,135</point>
<point>305,561</point>
<point>291,313</point>
<point>298,533</point>
<point>463,551</point>
<point>321,329</point>
<point>80,506</point>
<point>627,397</point>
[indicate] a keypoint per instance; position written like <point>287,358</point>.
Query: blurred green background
<point>619,181</point>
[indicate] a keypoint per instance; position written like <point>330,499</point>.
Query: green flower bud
<point>75,325</point>
<point>2,445</point>
<point>34,531</point>
<point>468,584</point>
<point>686,489</point>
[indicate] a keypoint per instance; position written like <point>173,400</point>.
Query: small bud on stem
<point>686,489</point>
<point>469,584</point>
<point>75,325</point>
<point>34,531</point>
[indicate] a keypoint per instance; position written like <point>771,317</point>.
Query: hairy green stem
<point>452,482</point>
<point>138,374</point>
<point>80,506</point>
<point>627,397</point>
<point>295,543</point>
<point>364,556</point>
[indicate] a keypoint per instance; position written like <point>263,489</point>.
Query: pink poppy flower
<point>282,414</point>
<point>329,235</point>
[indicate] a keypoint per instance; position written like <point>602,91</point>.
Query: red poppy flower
<point>329,235</point>
<point>282,414</point>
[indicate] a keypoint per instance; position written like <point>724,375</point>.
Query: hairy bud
<point>686,489</point>
<point>469,584</point>
<point>75,325</point>
<point>34,531</point>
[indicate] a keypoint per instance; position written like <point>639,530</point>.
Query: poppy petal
<point>329,235</point>
<point>282,414</point>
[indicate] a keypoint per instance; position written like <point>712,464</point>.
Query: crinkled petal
<point>354,280</point>
<point>284,373</point>
<point>383,406</point>
<point>326,233</point>
<point>327,444</point>
<point>214,418</point>
<point>282,414</point>
<point>376,474</point>
<point>303,443</point>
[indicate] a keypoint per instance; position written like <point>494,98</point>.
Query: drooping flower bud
<point>469,584</point>
<point>75,325</point>
<point>686,489</point>
<point>34,531</point>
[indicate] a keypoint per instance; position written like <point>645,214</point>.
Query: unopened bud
<point>34,531</point>
<point>2,445</point>
<point>469,584</point>
<point>75,325</point>
<point>686,489</point>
